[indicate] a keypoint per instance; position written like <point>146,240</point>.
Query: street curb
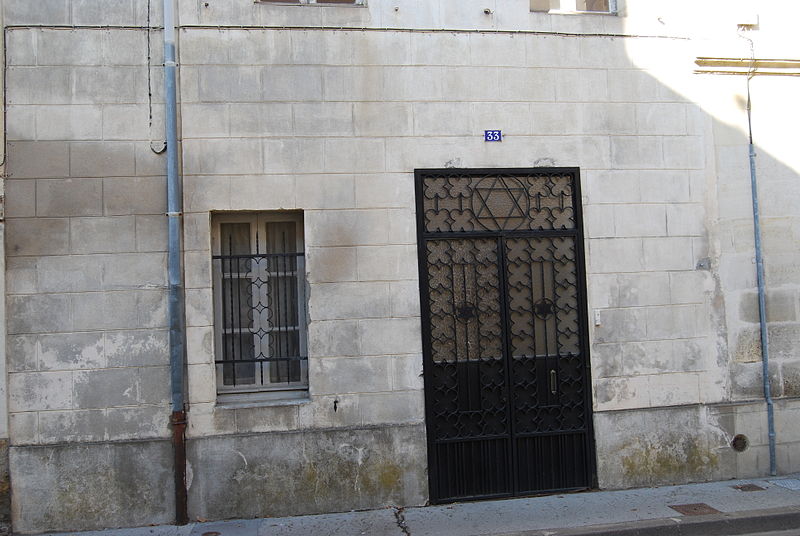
<point>726,524</point>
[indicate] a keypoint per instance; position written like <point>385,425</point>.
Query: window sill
<point>231,404</point>
<point>252,399</point>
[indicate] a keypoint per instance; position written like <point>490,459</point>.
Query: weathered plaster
<point>291,473</point>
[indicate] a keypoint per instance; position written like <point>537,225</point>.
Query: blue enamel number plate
<point>492,135</point>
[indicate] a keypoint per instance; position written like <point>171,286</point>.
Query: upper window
<point>351,2</point>
<point>579,6</point>
<point>259,302</point>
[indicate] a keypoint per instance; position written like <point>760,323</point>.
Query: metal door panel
<point>504,339</point>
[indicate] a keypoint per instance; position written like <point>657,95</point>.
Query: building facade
<point>385,304</point>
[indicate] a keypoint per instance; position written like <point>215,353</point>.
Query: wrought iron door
<point>507,388</point>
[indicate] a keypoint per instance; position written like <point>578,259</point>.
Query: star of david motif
<point>500,203</point>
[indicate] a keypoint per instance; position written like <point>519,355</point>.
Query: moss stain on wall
<point>673,459</point>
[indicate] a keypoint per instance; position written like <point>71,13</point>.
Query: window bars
<point>261,343</point>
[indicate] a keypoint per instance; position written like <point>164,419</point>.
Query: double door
<point>504,336</point>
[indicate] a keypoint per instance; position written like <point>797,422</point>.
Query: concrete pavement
<point>742,507</point>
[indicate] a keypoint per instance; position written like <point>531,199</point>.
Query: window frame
<point>571,7</point>
<point>340,3</point>
<point>259,392</point>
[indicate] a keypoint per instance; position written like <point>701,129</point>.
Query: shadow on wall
<point>691,444</point>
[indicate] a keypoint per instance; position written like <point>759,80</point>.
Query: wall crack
<point>400,518</point>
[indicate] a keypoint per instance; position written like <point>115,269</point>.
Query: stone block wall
<point>691,443</point>
<point>273,140</point>
<point>363,108</point>
<point>307,472</point>
<point>776,168</point>
<point>5,491</point>
<point>333,122</point>
<point>79,486</point>
<point>345,116</point>
<point>328,110</point>
<point>87,344</point>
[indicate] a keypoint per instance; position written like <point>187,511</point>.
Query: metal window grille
<point>260,292</point>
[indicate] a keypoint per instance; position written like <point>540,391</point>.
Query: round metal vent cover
<point>740,443</point>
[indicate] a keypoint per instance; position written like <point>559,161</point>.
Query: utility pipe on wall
<point>762,303</point>
<point>175,304</point>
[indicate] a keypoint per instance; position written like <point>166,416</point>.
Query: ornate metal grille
<point>501,202</point>
<point>506,381</point>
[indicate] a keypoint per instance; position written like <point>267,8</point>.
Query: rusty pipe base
<point>178,422</point>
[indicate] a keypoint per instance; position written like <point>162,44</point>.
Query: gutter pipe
<point>762,305</point>
<point>175,304</point>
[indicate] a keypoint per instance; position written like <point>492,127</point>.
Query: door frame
<point>582,311</point>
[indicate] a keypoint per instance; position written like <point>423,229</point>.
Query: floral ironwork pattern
<point>507,396</point>
<point>538,202</point>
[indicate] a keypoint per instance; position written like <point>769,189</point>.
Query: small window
<point>575,6</point>
<point>260,307</point>
<point>350,2</point>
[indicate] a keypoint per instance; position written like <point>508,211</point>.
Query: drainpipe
<point>175,305</point>
<point>762,305</point>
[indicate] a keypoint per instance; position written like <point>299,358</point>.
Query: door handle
<point>553,386</point>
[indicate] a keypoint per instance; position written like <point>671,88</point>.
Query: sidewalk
<point>640,512</point>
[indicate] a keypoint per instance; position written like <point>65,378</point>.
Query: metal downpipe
<point>762,303</point>
<point>762,315</point>
<point>175,304</point>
